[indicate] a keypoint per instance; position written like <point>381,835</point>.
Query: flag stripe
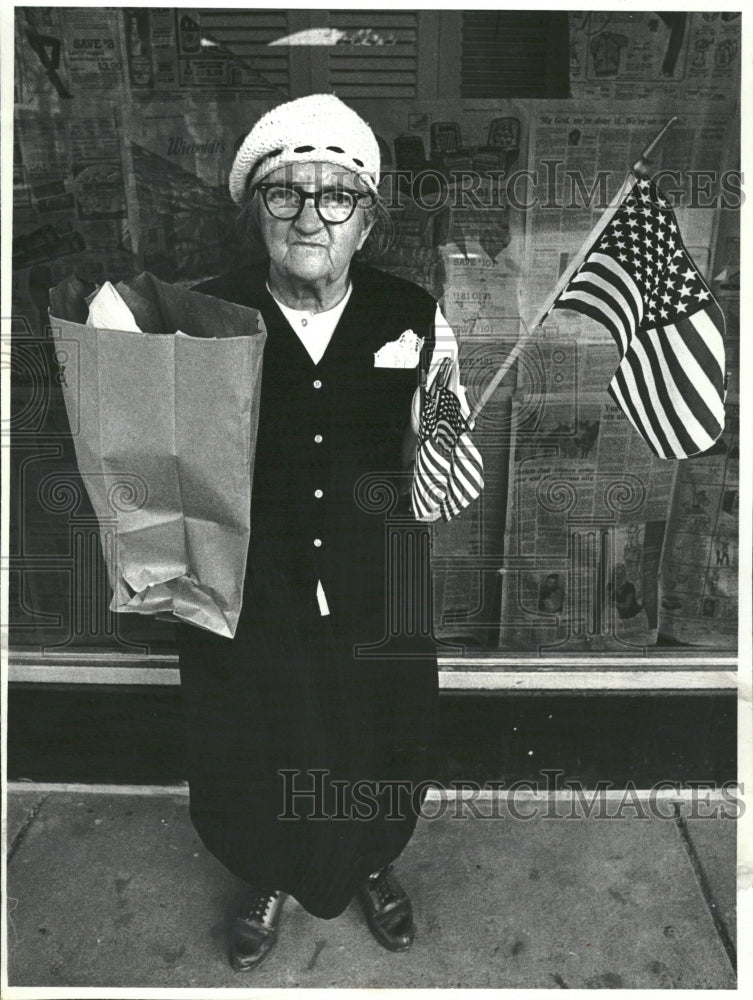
<point>695,436</point>
<point>462,482</point>
<point>676,405</point>
<point>634,388</point>
<point>448,470</point>
<point>434,463</point>
<point>690,379</point>
<point>664,395</point>
<point>617,390</point>
<point>457,497</point>
<point>587,291</point>
<point>630,288</point>
<point>691,350</point>
<point>592,306</point>
<point>645,386</point>
<point>709,324</point>
<point>433,474</point>
<point>610,282</point>
<point>693,357</point>
<point>691,388</point>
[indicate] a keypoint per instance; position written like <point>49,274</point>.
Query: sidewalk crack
<point>708,895</point>
<point>24,828</point>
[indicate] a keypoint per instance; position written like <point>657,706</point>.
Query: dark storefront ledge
<point>133,735</point>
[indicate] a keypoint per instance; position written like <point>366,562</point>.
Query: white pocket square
<point>401,353</point>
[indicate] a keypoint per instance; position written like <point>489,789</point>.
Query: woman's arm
<point>445,346</point>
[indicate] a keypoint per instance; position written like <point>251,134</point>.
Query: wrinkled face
<point>306,249</point>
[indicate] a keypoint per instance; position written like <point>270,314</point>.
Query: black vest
<point>329,433</point>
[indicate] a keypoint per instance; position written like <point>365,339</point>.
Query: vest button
<point>318,438</point>
<point>317,383</point>
<point>318,543</point>
<point>318,494</point>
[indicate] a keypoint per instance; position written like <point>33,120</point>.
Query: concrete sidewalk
<point>113,889</point>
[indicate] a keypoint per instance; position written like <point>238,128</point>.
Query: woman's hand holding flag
<point>449,472</point>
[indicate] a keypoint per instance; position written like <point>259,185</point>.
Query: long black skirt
<point>307,763</point>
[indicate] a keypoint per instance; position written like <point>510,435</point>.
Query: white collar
<point>314,329</point>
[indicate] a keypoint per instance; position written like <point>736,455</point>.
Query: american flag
<point>449,471</point>
<point>639,281</point>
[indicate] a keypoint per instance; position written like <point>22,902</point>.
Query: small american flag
<point>449,471</point>
<point>639,281</point>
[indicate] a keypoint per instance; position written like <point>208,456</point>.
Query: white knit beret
<point>319,128</point>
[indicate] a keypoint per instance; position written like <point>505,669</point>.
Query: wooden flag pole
<point>641,168</point>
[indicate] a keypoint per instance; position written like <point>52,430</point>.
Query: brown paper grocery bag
<point>165,432</point>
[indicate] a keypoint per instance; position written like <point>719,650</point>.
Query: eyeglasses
<point>333,205</point>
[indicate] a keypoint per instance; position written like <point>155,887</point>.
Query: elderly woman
<point>309,735</point>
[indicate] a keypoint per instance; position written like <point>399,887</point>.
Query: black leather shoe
<point>252,937</point>
<point>388,910</point>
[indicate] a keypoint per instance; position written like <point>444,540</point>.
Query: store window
<point>501,135</point>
